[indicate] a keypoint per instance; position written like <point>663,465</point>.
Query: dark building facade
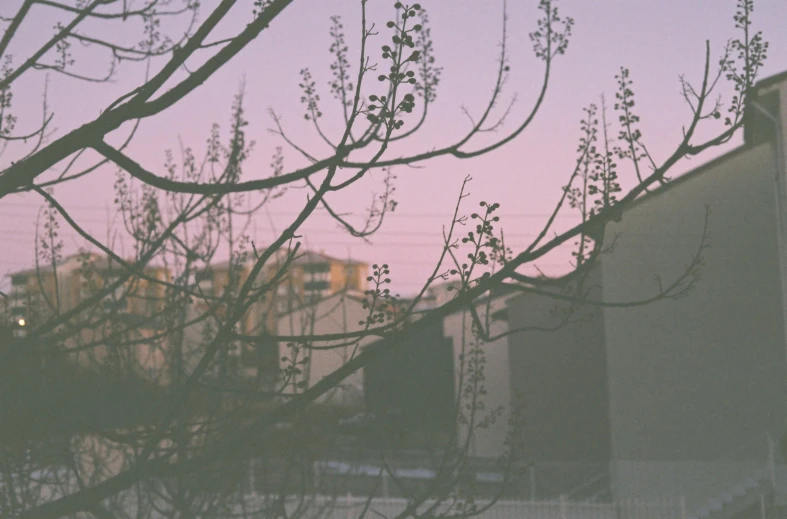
<point>413,383</point>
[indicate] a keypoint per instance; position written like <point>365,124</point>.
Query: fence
<point>348,507</point>
<point>358,473</point>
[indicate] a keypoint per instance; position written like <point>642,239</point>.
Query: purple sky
<point>656,40</point>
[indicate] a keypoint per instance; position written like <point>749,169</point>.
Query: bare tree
<point>164,340</point>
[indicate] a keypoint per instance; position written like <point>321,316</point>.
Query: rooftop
<point>302,258</point>
<point>756,131</point>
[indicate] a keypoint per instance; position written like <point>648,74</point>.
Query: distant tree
<point>179,445</point>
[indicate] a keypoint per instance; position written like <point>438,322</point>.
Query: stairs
<point>737,499</point>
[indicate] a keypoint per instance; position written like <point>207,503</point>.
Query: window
<point>311,268</point>
<point>262,356</point>
<point>313,286</point>
<point>317,276</point>
<point>204,281</point>
<point>203,275</point>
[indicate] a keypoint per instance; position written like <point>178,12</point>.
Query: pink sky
<point>657,41</point>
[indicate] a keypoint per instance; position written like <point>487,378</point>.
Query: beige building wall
<point>701,379</point>
<point>340,313</point>
<point>487,442</point>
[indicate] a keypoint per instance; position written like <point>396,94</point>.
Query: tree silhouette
<point>177,420</point>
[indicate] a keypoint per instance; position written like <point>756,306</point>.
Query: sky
<point>657,40</point>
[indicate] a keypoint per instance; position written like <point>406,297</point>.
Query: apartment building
<point>315,275</point>
<point>135,307</point>
<point>127,315</point>
<point>309,278</point>
<point>42,292</point>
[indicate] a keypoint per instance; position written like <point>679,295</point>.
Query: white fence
<point>352,507</point>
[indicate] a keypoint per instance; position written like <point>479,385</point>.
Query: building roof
<point>71,260</point>
<point>771,80</point>
<point>655,192</point>
<point>350,295</point>
<point>222,265</point>
<point>74,261</point>
<point>104,263</point>
<point>498,291</point>
<point>309,257</point>
<point>303,258</point>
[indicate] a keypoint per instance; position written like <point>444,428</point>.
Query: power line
<point>395,214</point>
<point>336,232</point>
<point>308,235</point>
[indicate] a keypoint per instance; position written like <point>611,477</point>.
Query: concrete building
<point>410,388</point>
<point>490,360</point>
<point>40,292</point>
<point>309,279</point>
<point>557,366</point>
<point>697,385</point>
<point>683,397</point>
<point>316,275</point>
<point>341,312</point>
